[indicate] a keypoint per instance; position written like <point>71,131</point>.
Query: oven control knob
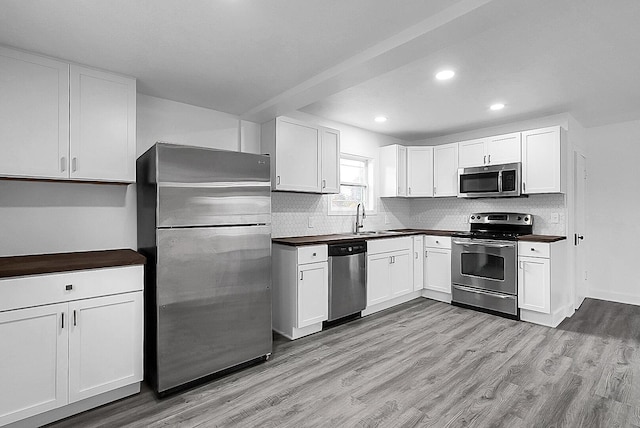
<point>526,219</point>
<point>519,218</point>
<point>473,217</point>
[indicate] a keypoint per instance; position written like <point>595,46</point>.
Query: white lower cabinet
<point>389,271</point>
<point>437,268</point>
<point>418,263</point>
<point>543,295</point>
<point>55,354</point>
<point>300,279</point>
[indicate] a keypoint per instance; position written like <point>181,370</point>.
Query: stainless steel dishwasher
<point>347,279</point>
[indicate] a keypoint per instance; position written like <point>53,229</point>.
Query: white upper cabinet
<point>307,156</point>
<point>489,151</point>
<point>445,170</point>
<point>34,106</point>
<point>65,122</point>
<point>542,161</point>
<point>419,171</point>
<point>330,160</point>
<point>393,170</point>
<point>102,125</point>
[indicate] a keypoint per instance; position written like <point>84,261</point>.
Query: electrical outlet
<point>555,217</point>
<point>310,222</point>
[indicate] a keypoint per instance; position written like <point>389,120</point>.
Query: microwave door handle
<point>499,181</point>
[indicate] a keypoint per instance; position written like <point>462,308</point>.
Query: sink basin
<point>377,232</point>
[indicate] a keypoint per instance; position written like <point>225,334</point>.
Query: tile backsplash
<point>291,213</point>
<point>452,213</point>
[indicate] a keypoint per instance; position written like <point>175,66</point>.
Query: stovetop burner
<point>504,226</point>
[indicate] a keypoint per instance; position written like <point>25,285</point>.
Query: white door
<point>298,153</point>
<point>541,165</point>
<point>105,344</point>
<point>378,285</point>
<point>580,184</point>
<point>34,107</point>
<point>534,275</point>
<point>471,153</point>
<point>419,171</point>
<point>102,125</point>
<point>401,274</point>
<point>504,149</point>
<point>437,270</point>
<point>313,294</point>
<point>330,160</point>
<point>445,170</point>
<point>418,263</point>
<point>34,361</point>
<point>402,171</point>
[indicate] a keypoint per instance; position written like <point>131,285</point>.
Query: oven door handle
<point>499,181</point>
<point>484,243</point>
<point>487,292</point>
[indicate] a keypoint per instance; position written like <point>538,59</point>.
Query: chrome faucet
<point>359,220</point>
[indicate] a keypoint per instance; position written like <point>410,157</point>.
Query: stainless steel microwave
<point>491,181</point>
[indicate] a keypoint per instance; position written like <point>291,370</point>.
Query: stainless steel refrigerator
<point>204,224</point>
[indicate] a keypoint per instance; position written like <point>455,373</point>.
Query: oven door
<point>484,263</point>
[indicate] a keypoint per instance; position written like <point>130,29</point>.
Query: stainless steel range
<point>484,262</point>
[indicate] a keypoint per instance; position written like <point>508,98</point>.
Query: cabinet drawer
<point>377,246</point>
<point>36,290</point>
<point>312,254</point>
<point>533,249</point>
<point>437,242</point>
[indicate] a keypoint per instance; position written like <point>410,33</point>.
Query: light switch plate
<point>310,222</point>
<point>386,219</point>
<point>555,217</point>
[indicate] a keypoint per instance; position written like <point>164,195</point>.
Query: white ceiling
<point>351,60</point>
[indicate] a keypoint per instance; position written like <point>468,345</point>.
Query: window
<point>356,179</point>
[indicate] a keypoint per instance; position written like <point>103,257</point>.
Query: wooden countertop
<point>65,262</point>
<point>541,238</point>
<point>344,238</point>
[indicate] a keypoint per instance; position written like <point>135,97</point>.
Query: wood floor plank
<point>420,364</point>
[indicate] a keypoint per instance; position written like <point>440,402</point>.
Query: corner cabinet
<point>305,156</point>
<point>65,122</point>
<point>543,158</point>
<point>393,171</point>
<point>419,171</point>
<point>300,280</point>
<point>70,341</point>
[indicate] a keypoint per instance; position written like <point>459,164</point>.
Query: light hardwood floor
<point>423,363</point>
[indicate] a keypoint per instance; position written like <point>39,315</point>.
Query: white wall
<point>613,201</point>
<point>46,217</point>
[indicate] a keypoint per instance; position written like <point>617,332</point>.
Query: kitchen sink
<point>377,232</point>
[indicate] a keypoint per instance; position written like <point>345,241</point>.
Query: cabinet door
<point>437,270</point>
<point>445,170</point>
<point>102,125</point>
<point>541,161</point>
<point>330,160</point>
<point>418,263</point>
<point>419,171</point>
<point>378,284</point>
<point>105,344</point>
<point>471,153</point>
<point>34,107</point>
<point>503,149</point>
<point>534,280</point>
<point>400,273</point>
<point>298,153</point>
<point>402,171</point>
<point>34,355</point>
<point>313,294</point>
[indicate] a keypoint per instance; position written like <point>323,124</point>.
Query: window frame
<point>370,204</point>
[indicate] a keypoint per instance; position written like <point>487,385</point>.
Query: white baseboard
<point>550,320</point>
<point>437,295</point>
<point>297,333</point>
<point>612,296</point>
<point>390,303</point>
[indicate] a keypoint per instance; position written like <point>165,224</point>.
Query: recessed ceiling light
<point>380,119</point>
<point>445,74</point>
<point>497,106</point>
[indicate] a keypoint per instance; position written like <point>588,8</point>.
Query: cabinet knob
<point>314,254</point>
<point>533,249</point>
<point>68,287</point>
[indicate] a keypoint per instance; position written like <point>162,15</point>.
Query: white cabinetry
<point>543,157</point>
<point>389,272</point>
<point>437,268</point>
<point>418,263</point>
<point>65,122</point>
<point>419,171</point>
<point>543,295</point>
<point>305,156</point>
<point>445,170</point>
<point>393,171</point>
<point>494,150</point>
<point>300,289</point>
<point>68,337</point>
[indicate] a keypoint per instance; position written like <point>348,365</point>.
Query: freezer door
<point>204,187</point>
<point>213,300</point>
